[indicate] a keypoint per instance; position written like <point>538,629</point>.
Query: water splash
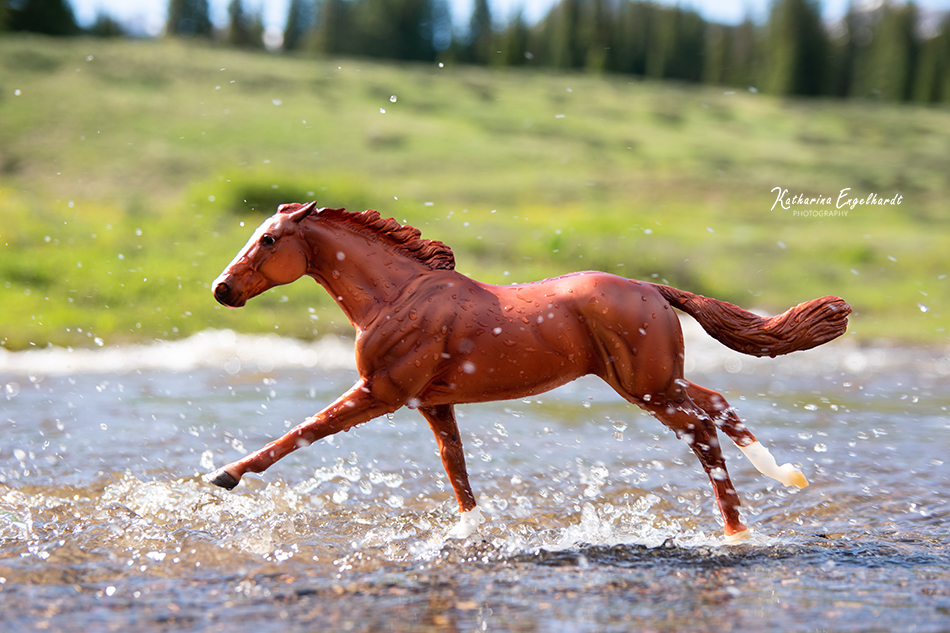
<point>221,349</point>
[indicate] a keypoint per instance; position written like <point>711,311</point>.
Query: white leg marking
<point>467,525</point>
<point>762,459</point>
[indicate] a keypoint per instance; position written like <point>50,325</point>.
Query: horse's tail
<point>805,326</point>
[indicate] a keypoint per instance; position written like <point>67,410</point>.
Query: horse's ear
<point>304,211</point>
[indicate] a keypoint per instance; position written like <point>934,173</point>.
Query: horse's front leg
<point>441,420</point>
<point>356,406</point>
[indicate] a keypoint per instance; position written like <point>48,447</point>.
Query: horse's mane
<point>405,238</point>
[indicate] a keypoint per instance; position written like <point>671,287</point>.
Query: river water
<point>596,518</point>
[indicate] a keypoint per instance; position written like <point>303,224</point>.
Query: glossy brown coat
<point>428,337</point>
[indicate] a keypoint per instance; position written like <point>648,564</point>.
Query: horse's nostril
<point>221,291</point>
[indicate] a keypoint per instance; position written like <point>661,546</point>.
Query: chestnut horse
<point>428,337</point>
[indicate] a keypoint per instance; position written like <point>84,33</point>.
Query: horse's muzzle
<point>222,292</point>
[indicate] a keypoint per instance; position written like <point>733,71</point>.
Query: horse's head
<point>273,256</point>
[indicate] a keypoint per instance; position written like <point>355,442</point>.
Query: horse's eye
<point>267,240</point>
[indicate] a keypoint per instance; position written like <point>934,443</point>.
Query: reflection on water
<point>597,519</point>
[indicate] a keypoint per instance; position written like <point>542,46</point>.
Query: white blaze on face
<point>255,238</point>
<point>763,461</point>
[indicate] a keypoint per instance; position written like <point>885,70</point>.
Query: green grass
<point>168,155</point>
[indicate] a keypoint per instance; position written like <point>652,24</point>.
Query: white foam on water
<point>16,521</point>
<point>234,352</point>
<point>218,349</point>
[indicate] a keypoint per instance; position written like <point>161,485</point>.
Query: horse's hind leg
<point>725,418</point>
<point>722,415</point>
<point>691,424</point>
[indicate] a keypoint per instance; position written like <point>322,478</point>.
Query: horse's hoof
<point>467,525</point>
<point>223,478</point>
<point>738,537</point>
<point>796,478</point>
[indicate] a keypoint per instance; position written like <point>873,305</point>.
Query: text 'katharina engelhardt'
<point>841,205</point>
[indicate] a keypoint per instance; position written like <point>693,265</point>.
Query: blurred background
<point>141,143</point>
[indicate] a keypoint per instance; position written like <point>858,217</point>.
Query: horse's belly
<point>504,369</point>
<point>495,385</point>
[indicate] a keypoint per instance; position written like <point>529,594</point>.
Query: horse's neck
<point>362,273</point>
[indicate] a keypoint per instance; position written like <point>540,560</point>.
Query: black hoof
<point>223,478</point>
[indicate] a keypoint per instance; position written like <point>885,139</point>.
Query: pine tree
<point>51,17</point>
<point>894,53</point>
<point>240,27</point>
<point>188,18</point>
<point>394,29</point>
<point>632,27</point>
<point>514,42</point>
<point>796,60</point>
<point>844,53</point>
<point>564,44</point>
<point>661,44</point>
<point>105,26</point>
<point>596,36</point>
<point>300,18</point>
<point>933,66</point>
<point>686,59</point>
<point>718,42</point>
<point>480,34</point>
<point>414,30</point>
<point>331,34</point>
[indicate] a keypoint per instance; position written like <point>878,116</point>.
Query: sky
<point>148,16</point>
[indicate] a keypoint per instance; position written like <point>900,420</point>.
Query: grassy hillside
<point>131,172</point>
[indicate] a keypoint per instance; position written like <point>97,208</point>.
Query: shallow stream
<point>597,518</point>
